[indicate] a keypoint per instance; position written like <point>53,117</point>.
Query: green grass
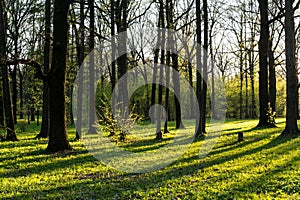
<point>264,166</point>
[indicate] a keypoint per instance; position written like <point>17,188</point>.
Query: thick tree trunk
<point>11,135</point>
<point>263,65</point>
<point>291,126</point>
<point>58,140</point>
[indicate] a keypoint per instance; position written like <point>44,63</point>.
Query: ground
<point>264,166</point>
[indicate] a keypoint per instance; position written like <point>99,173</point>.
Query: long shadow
<point>46,167</point>
<point>146,145</point>
<point>125,184</point>
<point>248,140</point>
<point>263,182</point>
<point>22,143</point>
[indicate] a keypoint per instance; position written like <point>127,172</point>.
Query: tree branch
<point>38,68</point>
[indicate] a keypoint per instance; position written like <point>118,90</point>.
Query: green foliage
<point>111,123</point>
<point>264,166</point>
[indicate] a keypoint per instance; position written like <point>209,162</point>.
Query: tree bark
<point>80,59</point>
<point>45,128</point>
<point>161,71</point>
<point>1,104</point>
<point>21,80</point>
<point>92,117</point>
<point>272,78</point>
<point>205,55</point>
<point>263,65</point>
<point>11,135</point>
<point>199,69</point>
<point>291,126</point>
<point>58,140</point>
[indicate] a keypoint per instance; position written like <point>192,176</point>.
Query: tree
<point>205,55</point>
<point>11,135</point>
<point>199,68</point>
<point>58,140</point>
<point>291,126</point>
<point>161,71</point>
<point>263,66</point>
<point>44,132</point>
<point>92,117</point>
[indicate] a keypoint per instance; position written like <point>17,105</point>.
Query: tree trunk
<point>1,104</point>
<point>263,65</point>
<point>14,92</point>
<point>92,117</point>
<point>9,118</point>
<point>32,114</point>
<point>199,69</point>
<point>291,73</point>
<point>58,140</point>
<point>205,55</point>
<point>161,71</point>
<point>168,61</point>
<point>80,58</point>
<point>21,78</point>
<point>45,128</point>
<point>241,69</point>
<point>272,78</point>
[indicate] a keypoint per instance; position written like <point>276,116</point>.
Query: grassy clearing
<point>264,166</point>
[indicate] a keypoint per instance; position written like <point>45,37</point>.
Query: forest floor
<point>264,166</point>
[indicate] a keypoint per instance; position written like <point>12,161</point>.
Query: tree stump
<point>240,136</point>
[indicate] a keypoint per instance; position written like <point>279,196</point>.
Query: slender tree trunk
<point>190,71</point>
<point>80,58</point>
<point>16,54</point>
<point>246,91</point>
<point>32,114</point>
<point>168,62</point>
<point>21,80</point>
<point>263,65</point>
<point>45,128</point>
<point>9,118</point>
<point>272,78</point>
<point>113,45</point>
<point>251,71</point>
<point>38,117</point>
<point>1,104</point>
<point>14,92</point>
<point>58,140</point>
<point>291,126</point>
<point>161,71</point>
<point>241,69</point>
<point>199,81</point>
<point>205,55</point>
<point>92,117</point>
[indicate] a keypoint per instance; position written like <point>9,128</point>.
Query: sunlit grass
<point>264,166</point>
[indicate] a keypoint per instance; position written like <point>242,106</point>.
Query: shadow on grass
<point>106,185</point>
<point>146,145</point>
